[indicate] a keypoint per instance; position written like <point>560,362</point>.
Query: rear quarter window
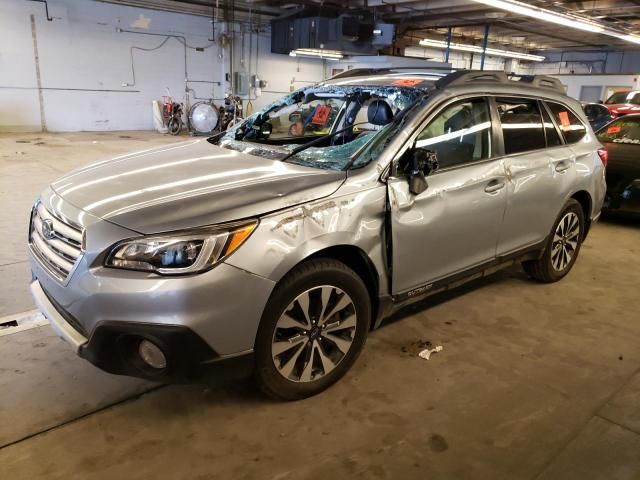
<point>571,126</point>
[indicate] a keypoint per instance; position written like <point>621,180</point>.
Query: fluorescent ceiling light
<point>631,38</point>
<point>318,53</point>
<point>566,20</point>
<point>461,47</point>
<point>544,15</point>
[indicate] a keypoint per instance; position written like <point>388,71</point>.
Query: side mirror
<point>423,163</point>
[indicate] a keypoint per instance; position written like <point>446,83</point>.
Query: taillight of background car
<point>604,156</point>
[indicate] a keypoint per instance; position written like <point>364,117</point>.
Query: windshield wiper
<point>318,140</point>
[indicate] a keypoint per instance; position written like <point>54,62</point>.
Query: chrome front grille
<point>56,243</point>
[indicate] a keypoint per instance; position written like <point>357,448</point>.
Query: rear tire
<point>562,248</point>
<point>312,330</point>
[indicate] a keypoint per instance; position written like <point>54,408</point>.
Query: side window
<point>521,125</point>
<point>459,134</point>
<point>572,128</point>
<point>550,132</point>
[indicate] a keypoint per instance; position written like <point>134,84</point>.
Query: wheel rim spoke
<point>308,367</point>
<point>573,234</point>
<point>325,296</point>
<point>565,241</point>
<point>342,344</point>
<point>326,362</point>
<point>287,368</point>
<point>303,301</point>
<point>305,346</point>
<point>343,303</point>
<point>280,347</point>
<point>349,322</point>
<point>287,321</point>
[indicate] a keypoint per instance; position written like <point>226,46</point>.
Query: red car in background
<point>623,103</point>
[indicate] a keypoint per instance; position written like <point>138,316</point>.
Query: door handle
<point>494,185</point>
<point>563,166</point>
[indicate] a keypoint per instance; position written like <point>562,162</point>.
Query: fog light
<point>152,355</point>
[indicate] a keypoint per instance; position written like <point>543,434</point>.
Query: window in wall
<point>521,125</point>
<point>459,134</point>
<point>590,93</point>
<point>550,131</point>
<point>572,128</point>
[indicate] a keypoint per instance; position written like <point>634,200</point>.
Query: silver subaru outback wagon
<point>274,248</point>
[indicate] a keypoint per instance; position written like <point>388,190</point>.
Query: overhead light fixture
<point>566,20</point>
<point>543,14</point>
<point>494,52</point>
<point>460,47</point>
<point>631,38</point>
<point>317,53</point>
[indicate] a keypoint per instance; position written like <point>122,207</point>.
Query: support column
<point>448,49</point>
<point>484,45</point>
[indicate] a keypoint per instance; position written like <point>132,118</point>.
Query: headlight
<point>179,253</point>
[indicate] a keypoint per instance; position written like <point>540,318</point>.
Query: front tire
<point>563,246</point>
<point>312,330</point>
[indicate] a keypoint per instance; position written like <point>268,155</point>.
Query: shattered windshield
<point>324,126</point>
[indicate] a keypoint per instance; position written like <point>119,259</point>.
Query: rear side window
<point>521,125</point>
<point>572,128</point>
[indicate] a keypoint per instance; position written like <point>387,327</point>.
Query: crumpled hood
<point>191,184</point>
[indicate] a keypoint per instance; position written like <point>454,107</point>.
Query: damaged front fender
<point>286,238</point>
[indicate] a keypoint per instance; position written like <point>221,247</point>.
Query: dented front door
<point>452,226</point>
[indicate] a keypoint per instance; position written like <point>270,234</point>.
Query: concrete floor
<point>534,382</point>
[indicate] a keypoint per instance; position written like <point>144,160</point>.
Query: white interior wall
<point>84,62</point>
<point>460,60</point>
<point>574,83</point>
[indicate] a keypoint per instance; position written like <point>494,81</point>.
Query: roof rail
<point>417,70</point>
<point>462,77</point>
<point>543,81</point>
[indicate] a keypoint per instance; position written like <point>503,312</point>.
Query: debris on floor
<point>426,353</point>
<point>21,321</point>
<point>413,348</point>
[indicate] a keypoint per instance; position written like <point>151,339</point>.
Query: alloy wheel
<point>314,334</point>
<point>565,241</point>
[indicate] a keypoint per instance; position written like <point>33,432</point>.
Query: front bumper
<point>113,347</point>
<point>60,325</point>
